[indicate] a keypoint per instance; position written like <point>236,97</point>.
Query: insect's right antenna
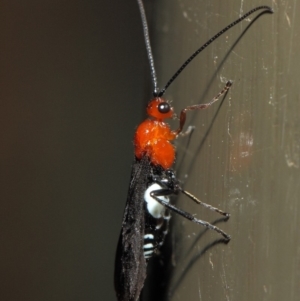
<point>148,47</point>
<point>267,10</point>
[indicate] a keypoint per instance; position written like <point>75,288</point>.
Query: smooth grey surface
<point>248,164</point>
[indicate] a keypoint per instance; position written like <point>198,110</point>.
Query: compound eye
<point>164,107</point>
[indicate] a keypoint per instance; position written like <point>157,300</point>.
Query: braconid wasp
<point>153,181</point>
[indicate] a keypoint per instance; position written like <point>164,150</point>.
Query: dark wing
<point>130,264</point>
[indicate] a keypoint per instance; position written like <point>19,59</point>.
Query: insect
<point>152,182</point>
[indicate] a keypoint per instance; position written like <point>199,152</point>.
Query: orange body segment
<point>153,109</point>
<point>152,139</point>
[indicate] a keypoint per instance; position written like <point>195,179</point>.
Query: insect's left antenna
<point>266,9</point>
<point>148,47</point>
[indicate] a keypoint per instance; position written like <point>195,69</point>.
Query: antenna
<point>148,47</point>
<point>267,10</point>
<point>156,92</point>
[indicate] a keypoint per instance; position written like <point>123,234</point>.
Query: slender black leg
<point>195,199</point>
<point>166,192</point>
<point>210,207</point>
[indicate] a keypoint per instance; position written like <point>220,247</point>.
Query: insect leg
<point>188,132</point>
<point>210,207</point>
<point>200,106</point>
<point>166,192</point>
